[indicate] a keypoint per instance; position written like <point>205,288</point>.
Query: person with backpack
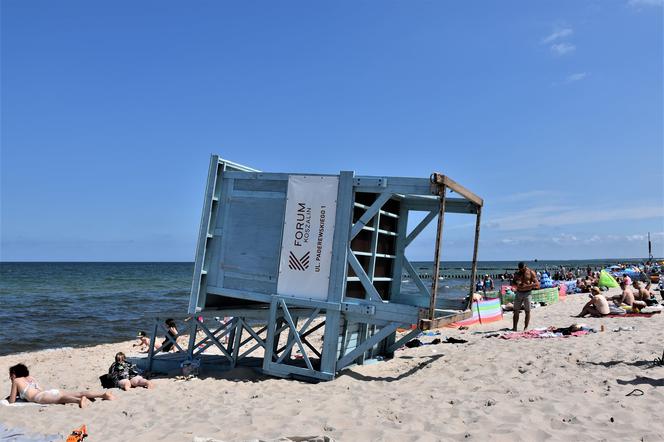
<point>125,375</point>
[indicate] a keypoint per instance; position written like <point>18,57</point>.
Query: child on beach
<point>125,375</point>
<point>26,387</point>
<point>143,342</point>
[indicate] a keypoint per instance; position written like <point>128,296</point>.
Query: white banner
<point>306,245</point>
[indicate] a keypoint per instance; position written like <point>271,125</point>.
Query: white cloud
<point>562,48</point>
<point>576,77</point>
<point>557,34</point>
<point>525,196</point>
<point>639,3</point>
<point>557,43</point>
<point>571,238</point>
<point>564,238</point>
<point>554,216</point>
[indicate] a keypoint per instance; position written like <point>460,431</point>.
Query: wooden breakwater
<point>494,276</point>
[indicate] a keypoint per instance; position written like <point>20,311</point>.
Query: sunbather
<point>627,298</point>
<point>643,294</point>
<point>597,306</point>
<point>26,387</point>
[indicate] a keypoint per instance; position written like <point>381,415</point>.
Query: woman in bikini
<point>26,387</point>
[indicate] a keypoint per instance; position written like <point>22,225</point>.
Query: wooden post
<point>473,271</point>
<point>436,257</point>
<point>153,340</point>
<point>192,337</point>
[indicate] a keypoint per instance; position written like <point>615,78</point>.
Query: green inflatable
<point>606,280</point>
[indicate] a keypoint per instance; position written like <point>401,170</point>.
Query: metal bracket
<point>362,309</point>
<point>373,182</point>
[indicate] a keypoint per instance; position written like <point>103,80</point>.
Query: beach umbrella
<point>606,280</point>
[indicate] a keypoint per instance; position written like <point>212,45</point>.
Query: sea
<point>45,305</point>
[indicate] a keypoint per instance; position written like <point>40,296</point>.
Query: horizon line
<point>454,260</point>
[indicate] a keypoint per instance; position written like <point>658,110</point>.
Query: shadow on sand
<point>642,380</point>
<point>419,366</point>
<point>609,364</point>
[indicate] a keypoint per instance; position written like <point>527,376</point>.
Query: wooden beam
<point>360,349</point>
<point>427,324</point>
<point>436,256</point>
<point>364,279</point>
<point>215,342</point>
<point>302,334</point>
<point>416,231</point>
<point>473,271</point>
<point>405,338</point>
<point>369,213</point>
<point>296,334</point>
<point>415,277</point>
<point>439,178</point>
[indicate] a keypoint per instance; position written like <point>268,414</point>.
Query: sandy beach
<point>601,386</point>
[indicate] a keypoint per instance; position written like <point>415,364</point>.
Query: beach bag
<point>190,367</point>
<point>78,434</point>
<point>106,381</point>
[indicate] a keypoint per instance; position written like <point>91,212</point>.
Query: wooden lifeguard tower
<point>300,253</point>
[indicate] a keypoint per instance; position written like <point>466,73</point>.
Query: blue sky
<point>551,111</point>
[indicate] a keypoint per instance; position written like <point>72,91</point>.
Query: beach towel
<point>19,403</point>
<point>540,334</point>
<point>631,315</point>
<point>17,434</point>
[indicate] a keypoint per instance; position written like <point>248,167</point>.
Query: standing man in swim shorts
<point>525,280</point>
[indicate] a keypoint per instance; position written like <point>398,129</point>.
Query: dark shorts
<point>522,299</point>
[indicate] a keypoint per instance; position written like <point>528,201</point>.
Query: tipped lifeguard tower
<point>304,253</point>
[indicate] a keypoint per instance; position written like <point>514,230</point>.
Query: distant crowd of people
<point>634,296</point>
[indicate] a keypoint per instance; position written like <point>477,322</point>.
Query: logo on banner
<point>295,263</point>
<point>307,237</point>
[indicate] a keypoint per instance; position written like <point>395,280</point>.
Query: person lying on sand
<point>26,387</point>
<point>125,375</point>
<point>567,331</point>
<point>598,305</point>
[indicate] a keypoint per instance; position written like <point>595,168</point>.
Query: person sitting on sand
<point>26,387</point>
<point>598,305</point>
<point>125,375</point>
<point>167,345</point>
<point>644,294</point>
<point>640,296</point>
<point>627,298</point>
<point>143,342</point>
